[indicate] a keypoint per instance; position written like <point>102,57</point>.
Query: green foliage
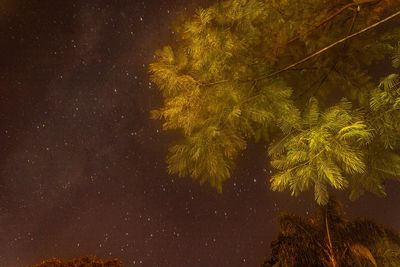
<point>206,155</point>
<point>396,57</point>
<point>385,105</point>
<point>219,95</point>
<point>324,152</point>
<point>329,238</point>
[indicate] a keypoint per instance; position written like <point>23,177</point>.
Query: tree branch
<point>213,83</point>
<point>313,88</point>
<point>334,15</point>
<point>323,50</point>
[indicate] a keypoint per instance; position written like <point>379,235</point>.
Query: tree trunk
<point>331,253</point>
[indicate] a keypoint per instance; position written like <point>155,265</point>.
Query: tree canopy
<point>330,240</point>
<point>89,261</point>
<point>300,76</point>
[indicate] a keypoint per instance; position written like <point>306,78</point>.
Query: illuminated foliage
<point>326,151</point>
<point>244,70</point>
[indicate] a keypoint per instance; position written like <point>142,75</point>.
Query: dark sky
<point>81,165</point>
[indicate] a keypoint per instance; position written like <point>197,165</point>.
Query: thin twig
<point>213,83</point>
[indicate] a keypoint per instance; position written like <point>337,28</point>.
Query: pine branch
<point>323,50</point>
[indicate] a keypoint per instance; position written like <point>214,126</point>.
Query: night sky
<point>82,166</point>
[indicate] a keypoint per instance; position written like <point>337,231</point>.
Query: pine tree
<point>292,74</point>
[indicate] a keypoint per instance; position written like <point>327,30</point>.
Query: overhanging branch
<point>323,50</point>
<point>334,15</point>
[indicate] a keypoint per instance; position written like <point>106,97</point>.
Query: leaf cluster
<point>326,151</point>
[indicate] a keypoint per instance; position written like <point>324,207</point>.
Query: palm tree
<point>329,240</point>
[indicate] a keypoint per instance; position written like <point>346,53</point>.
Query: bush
<point>80,262</point>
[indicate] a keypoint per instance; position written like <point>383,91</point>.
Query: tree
<point>244,71</point>
<point>81,262</point>
<point>329,240</point>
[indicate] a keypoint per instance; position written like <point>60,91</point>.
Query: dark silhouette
<point>329,240</point>
<point>90,261</point>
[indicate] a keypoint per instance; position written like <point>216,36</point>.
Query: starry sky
<point>82,166</point>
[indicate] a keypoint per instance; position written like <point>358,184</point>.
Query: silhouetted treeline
<point>79,262</point>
